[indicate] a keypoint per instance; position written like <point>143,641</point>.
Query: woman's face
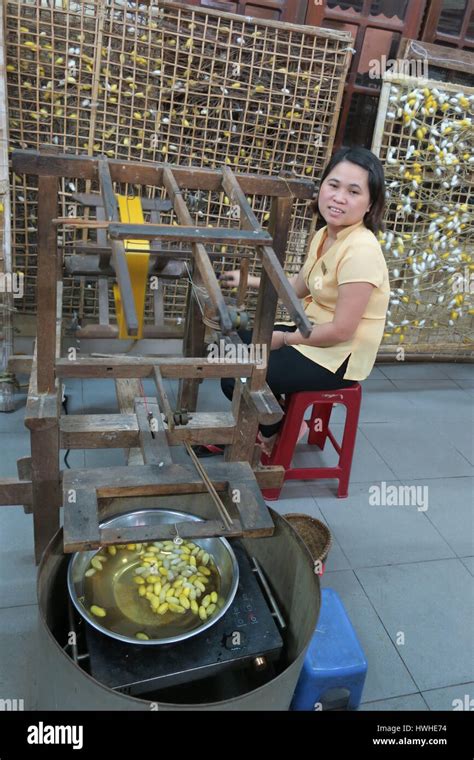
<point>344,196</point>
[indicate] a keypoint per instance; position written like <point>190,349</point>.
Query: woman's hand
<point>230,278</point>
<point>278,340</point>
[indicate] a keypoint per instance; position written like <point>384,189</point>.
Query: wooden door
<point>377,27</point>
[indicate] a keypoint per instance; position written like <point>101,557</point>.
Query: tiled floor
<point>404,573</point>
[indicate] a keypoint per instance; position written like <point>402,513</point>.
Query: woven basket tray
<point>314,533</point>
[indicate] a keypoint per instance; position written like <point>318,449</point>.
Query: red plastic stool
<point>322,403</point>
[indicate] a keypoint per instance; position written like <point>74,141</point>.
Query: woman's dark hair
<point>367,160</point>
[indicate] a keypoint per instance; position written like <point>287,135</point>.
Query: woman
<point>344,282</point>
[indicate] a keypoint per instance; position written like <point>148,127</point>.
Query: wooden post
<point>47,281</point>
<point>41,418</point>
<point>280,217</point>
<point>193,346</point>
<point>246,416</point>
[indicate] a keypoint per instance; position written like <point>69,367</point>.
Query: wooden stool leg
<point>348,446</point>
<point>319,424</point>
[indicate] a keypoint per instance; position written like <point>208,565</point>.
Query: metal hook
<point>177,540</point>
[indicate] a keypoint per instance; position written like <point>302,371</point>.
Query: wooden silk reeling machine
<point>128,251</point>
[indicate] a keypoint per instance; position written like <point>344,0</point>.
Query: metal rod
<point>226,518</point>
<point>276,611</point>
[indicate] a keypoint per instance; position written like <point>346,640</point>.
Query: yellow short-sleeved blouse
<point>355,256</point>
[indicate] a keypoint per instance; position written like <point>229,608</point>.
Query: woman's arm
<point>232,279</point>
<point>351,304</point>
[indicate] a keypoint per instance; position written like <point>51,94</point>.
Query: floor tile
<point>467,385</point>
<point>414,702</point>
<point>17,564</point>
<point>14,422</point>
<point>459,697</point>
<point>366,459</point>
<point>371,534</point>
<point>414,449</point>
<point>18,647</point>
<point>413,371</point>
<point>382,401</point>
<point>450,511</point>
<point>430,603</point>
<point>99,396</point>
<point>13,446</point>
<point>469,562</point>
<point>440,399</point>
<point>459,434</point>
<point>376,373</point>
<point>459,370</point>
<point>387,676</point>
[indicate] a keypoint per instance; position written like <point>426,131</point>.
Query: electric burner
<point>247,635</point>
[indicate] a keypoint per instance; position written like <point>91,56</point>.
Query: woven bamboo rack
<point>424,136</point>
<point>164,81</point>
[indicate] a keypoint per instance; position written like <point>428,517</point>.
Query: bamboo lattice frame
<point>429,240</point>
<point>164,81</point>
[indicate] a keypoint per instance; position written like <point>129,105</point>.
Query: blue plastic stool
<point>334,660</point>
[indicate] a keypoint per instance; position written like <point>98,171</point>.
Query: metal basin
<point>127,613</point>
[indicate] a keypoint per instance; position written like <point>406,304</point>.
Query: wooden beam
<point>151,432</point>
<point>237,197</point>
<point>89,486</point>
<point>99,431</point>
<point>13,491</point>
<point>201,259</point>
<point>89,251</point>
<point>163,398</point>
<point>130,366</point>
<point>149,331</point>
<point>187,233</point>
<point>127,391</point>
<point>46,281</point>
<point>273,269</point>
<point>148,204</point>
<point>86,167</point>
<point>119,260</point>
<point>246,426</point>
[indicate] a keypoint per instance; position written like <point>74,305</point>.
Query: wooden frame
<point>438,56</point>
<point>7,403</point>
<point>148,446</point>
<point>431,34</point>
<point>427,319</point>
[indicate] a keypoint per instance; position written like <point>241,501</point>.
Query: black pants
<point>288,371</point>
